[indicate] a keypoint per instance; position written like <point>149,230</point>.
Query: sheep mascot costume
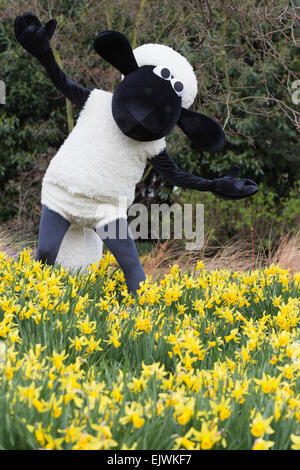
<point>105,155</point>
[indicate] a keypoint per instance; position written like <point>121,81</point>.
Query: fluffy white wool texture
<point>80,248</point>
<point>96,166</point>
<point>159,54</point>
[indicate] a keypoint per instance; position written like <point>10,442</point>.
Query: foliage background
<point>246,57</point>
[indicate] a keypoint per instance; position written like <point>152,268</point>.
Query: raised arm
<point>36,40</point>
<point>228,187</point>
<point>76,93</point>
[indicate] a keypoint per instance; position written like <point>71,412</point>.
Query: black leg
<point>117,238</point>
<point>53,228</point>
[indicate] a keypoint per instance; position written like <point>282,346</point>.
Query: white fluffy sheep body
<point>96,167</point>
<point>97,164</point>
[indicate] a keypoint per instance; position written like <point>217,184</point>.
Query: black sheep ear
<point>114,47</point>
<point>204,132</point>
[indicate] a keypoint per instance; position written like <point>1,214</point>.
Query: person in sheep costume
<point>116,133</point>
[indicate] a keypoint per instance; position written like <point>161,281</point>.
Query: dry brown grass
<point>239,254</point>
<point>163,255</point>
<point>13,240</point>
<point>287,254</point>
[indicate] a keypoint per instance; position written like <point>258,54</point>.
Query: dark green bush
<point>244,56</point>
<point>269,216</point>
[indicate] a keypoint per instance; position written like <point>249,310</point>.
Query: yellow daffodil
<point>261,426</point>
<point>296,442</point>
<point>260,444</point>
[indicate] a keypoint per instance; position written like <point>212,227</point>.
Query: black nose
<point>142,134</point>
<point>139,110</point>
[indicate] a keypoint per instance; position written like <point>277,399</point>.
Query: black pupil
<point>178,86</point>
<point>165,73</point>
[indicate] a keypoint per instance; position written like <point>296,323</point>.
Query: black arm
<point>76,93</point>
<point>228,187</point>
<point>164,165</point>
<point>35,38</point>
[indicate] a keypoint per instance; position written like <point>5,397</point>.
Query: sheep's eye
<point>162,72</point>
<point>177,86</point>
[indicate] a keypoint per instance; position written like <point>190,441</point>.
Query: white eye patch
<point>177,86</point>
<point>163,72</point>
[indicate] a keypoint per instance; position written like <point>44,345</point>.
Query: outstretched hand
<point>30,33</point>
<point>229,187</point>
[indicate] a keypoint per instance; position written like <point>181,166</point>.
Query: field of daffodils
<point>203,359</point>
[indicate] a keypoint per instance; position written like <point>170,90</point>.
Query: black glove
<point>229,187</point>
<point>32,35</point>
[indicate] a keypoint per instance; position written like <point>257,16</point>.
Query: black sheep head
<point>146,105</point>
